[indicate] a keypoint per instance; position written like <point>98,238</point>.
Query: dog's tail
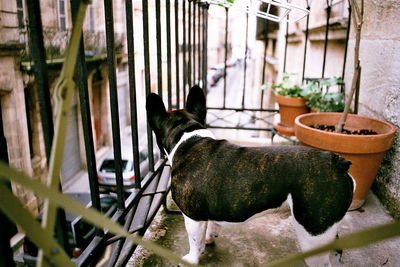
<point>343,165</point>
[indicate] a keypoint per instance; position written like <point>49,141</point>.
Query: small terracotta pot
<point>364,151</point>
<point>289,109</point>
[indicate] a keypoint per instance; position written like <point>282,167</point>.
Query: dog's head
<point>169,126</point>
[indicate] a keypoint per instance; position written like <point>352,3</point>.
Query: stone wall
<point>15,122</point>
<point>12,99</point>
<point>380,87</point>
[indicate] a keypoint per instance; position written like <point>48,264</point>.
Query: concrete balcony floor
<point>269,237</point>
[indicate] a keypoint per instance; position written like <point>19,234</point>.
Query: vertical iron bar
<point>132,91</point>
<point>328,15</point>
<point>169,71</point>
<point>286,44</point>
<point>345,47</point>
<point>264,66</point>
<point>40,71</point>
<point>205,50</point>
<point>6,255</point>
<point>245,60</point>
<point>199,54</point>
<point>42,83</point>
<point>204,57</point>
<point>81,76</point>
<point>145,8</point>
<point>176,12</point>
<point>357,93</point>
<point>194,41</point>
<point>264,57</point>
<point>159,52</point>
<point>184,66</point>
<point>190,45</point>
<point>226,52</point>
<point>113,89</point>
<point>306,43</point>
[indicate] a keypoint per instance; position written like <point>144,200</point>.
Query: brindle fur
<point>217,180</point>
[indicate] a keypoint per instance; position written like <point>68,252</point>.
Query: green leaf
<point>14,209</point>
<point>89,214</point>
<point>287,87</point>
<point>266,86</point>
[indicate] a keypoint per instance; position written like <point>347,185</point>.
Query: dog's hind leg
<point>196,231</point>
<point>308,241</point>
<point>212,232</point>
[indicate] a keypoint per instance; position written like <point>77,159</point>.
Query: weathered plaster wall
<point>380,87</point>
<point>12,99</point>
<point>15,121</point>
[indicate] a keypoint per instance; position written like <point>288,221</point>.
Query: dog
<point>214,180</point>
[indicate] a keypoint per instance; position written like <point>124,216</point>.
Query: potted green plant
<point>360,139</point>
<point>321,98</point>
<point>291,101</point>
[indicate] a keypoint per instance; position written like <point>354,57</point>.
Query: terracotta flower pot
<point>364,151</point>
<point>289,109</point>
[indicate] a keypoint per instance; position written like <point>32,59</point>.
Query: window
<point>20,14</point>
<point>91,18</point>
<point>61,15</point>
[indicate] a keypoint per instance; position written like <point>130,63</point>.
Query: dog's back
<point>217,180</point>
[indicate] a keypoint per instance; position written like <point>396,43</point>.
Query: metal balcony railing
<point>190,66</point>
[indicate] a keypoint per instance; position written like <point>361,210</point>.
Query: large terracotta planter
<point>364,151</point>
<point>289,109</point>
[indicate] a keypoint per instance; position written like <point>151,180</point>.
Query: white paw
<point>192,259</point>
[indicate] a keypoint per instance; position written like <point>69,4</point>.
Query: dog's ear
<point>156,112</point>
<point>196,103</point>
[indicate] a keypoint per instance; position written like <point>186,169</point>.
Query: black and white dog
<point>214,180</point>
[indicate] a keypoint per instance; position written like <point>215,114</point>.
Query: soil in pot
<point>331,128</point>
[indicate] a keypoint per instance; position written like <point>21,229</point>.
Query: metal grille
<point>137,209</point>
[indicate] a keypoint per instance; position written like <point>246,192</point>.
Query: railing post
<point>189,74</point>
<point>245,61</point>
<point>145,7</point>
<point>41,73</point>
<point>342,89</point>
<point>46,115</point>
<point>169,71</point>
<point>159,52</point>
<point>306,42</point>
<point>328,16</point>
<point>132,92</point>
<point>199,42</point>
<point>205,46</point>
<point>264,65</point>
<point>286,44</point>
<point>177,69</point>
<point>184,65</point>
<point>81,75</point>
<point>113,90</point>
<point>226,52</point>
<point>194,42</point>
